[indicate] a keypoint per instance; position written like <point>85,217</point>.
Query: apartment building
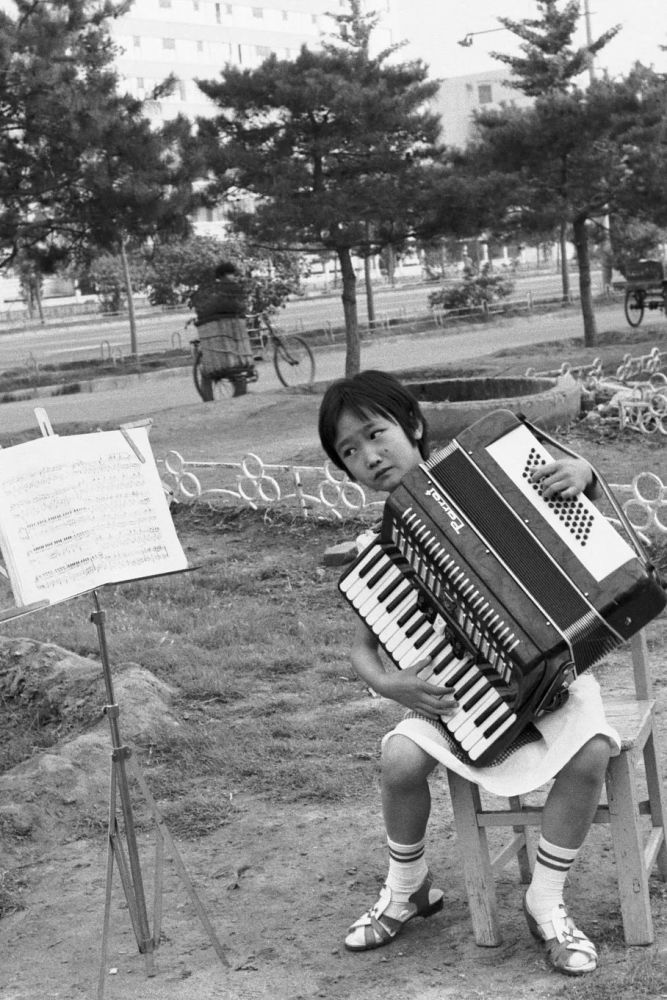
<point>460,96</point>
<point>196,39</point>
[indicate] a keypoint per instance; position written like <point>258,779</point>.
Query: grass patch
<point>12,885</point>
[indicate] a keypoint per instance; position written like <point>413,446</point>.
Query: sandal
<point>565,944</point>
<point>375,929</point>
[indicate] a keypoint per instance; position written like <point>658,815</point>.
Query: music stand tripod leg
<point>129,868</point>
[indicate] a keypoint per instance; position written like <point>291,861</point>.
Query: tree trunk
<point>130,300</point>
<point>564,269</point>
<point>584,263</point>
<point>607,254</point>
<point>370,303</point>
<point>349,297</point>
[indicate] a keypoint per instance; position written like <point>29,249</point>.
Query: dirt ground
<point>281,887</point>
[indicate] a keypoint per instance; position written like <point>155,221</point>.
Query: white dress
<point>533,759</point>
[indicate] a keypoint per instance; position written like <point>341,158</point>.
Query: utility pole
<point>589,41</point>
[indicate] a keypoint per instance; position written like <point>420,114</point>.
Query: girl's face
<point>375,450</point>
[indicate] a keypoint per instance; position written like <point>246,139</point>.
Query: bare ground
<point>280,888</point>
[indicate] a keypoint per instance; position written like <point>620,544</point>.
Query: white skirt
<point>533,759</point>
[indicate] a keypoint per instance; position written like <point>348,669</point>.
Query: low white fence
<point>325,492</point>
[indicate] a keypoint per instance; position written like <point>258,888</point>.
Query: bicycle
<point>229,373</point>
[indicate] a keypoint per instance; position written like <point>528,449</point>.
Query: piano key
<point>388,624</point>
<point>423,651</point>
<point>483,744</point>
<point>479,687</point>
<point>381,615</point>
<point>408,648</point>
<point>440,655</point>
<point>367,585</point>
<point>414,615</point>
<point>471,735</point>
<point>469,731</point>
<point>358,572</point>
<point>368,598</point>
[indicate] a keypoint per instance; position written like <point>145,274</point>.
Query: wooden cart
<point>645,288</point>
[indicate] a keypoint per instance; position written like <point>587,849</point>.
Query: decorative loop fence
<point>325,492</point>
<point>321,491</point>
<point>637,390</point>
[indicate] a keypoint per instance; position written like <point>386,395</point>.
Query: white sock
<point>407,869</point>
<point>551,870</point>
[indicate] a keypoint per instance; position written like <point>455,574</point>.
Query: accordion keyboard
<point>392,607</point>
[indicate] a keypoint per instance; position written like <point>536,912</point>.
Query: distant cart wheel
<point>634,306</point>
<point>209,388</point>
<point>293,361</point>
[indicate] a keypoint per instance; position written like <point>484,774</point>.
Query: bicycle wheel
<point>208,388</point>
<point>293,361</point>
<point>634,307</point>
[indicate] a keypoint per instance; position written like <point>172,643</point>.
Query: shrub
<point>479,286</point>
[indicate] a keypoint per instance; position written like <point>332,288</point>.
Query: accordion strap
<point>605,487</point>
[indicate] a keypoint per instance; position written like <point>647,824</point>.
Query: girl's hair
<point>370,392</point>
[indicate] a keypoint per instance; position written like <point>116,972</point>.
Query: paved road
<point>72,340</point>
<point>148,396</point>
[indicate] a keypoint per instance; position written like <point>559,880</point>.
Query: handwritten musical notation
<point>80,511</point>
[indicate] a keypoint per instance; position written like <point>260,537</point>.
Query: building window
<point>168,43</point>
<point>258,12</point>
<point>195,4</point>
<point>285,15</point>
<point>181,90</point>
<point>140,83</point>
<point>263,51</point>
<point>484,93</point>
<point>217,13</point>
<point>136,41</point>
<point>200,46</point>
<point>164,3</point>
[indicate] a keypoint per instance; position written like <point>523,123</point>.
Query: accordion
<point>507,594</point>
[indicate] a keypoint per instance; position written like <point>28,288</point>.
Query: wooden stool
<point>636,849</point>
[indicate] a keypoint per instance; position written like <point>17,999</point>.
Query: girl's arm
<point>404,686</point>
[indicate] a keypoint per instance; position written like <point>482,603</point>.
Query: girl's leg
<point>575,794</point>
<point>566,819</point>
<point>406,805</point>
<point>406,796</point>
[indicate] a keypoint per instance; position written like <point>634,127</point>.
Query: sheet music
<point>77,512</point>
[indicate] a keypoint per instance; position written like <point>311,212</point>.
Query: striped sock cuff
<point>559,859</point>
<point>406,853</point>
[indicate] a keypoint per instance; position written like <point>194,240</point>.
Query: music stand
<point>129,867</point>
<point>23,577</point>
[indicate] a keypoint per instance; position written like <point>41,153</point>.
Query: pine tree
<point>333,148</point>
<point>550,64</point>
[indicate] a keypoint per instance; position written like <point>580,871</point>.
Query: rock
<point>339,555</point>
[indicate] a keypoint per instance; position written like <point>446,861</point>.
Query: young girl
<point>373,428</point>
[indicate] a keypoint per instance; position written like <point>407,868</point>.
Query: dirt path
<point>280,893</point>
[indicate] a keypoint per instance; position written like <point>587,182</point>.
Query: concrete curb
<point>91,385</point>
